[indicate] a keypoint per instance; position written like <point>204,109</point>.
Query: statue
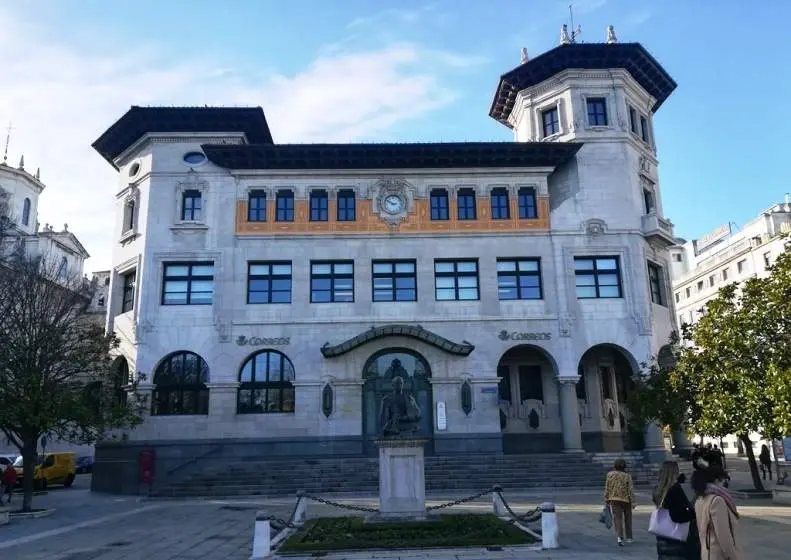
<point>400,413</point>
<point>611,38</point>
<point>564,35</point>
<point>523,56</point>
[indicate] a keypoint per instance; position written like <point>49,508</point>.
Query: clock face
<point>393,204</point>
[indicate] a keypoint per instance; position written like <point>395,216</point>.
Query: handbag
<point>606,516</point>
<point>662,526</point>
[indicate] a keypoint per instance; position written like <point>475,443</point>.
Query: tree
<point>55,364</point>
<point>733,365</point>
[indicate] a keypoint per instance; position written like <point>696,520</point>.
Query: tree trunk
<point>29,460</point>
<point>748,448</point>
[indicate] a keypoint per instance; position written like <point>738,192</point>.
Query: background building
<point>726,255</point>
<point>271,292</point>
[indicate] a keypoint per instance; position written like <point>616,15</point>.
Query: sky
<point>388,71</point>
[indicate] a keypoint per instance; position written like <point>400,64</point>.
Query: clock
<point>393,204</point>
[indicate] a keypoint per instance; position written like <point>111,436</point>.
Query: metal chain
<point>460,500</point>
<point>529,517</point>
<point>341,506</point>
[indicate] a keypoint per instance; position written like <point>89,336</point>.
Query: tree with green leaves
<point>55,362</point>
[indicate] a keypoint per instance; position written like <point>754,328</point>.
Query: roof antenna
<point>565,38</point>
<point>8,129</point>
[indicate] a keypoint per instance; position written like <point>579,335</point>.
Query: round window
<point>134,169</point>
<point>194,158</point>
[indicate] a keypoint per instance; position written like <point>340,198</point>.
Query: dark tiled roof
<point>586,56</point>
<point>140,120</point>
<point>391,156</point>
<point>412,331</point>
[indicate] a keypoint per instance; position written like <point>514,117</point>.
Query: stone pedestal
<point>402,482</point>
<point>654,451</point>
<point>682,442</point>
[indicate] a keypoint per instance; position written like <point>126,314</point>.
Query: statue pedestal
<point>402,482</point>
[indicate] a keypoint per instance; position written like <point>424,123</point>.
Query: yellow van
<point>51,468</point>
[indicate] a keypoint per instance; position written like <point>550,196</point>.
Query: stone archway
<point>528,398</point>
<point>607,378</point>
<point>378,374</point>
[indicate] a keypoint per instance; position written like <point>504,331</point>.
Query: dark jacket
<point>681,511</point>
<point>765,457</point>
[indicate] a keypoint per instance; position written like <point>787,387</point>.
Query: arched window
<point>26,212</point>
<point>266,384</point>
<point>180,385</point>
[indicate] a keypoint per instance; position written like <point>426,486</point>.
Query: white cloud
<point>61,97</point>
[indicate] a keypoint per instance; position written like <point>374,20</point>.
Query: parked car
<point>84,465</point>
<point>6,460</point>
<point>51,468</point>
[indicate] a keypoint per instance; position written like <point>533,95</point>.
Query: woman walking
<point>717,518</point>
<point>619,495</point>
<point>766,461</point>
<point>669,495</point>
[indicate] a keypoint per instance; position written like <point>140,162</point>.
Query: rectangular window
<point>632,120</point>
<point>456,280</point>
<point>531,386</point>
<point>550,122</point>
<point>439,204</point>
<point>394,281</point>
<point>466,201</point>
<point>711,281</point>
<point>284,202</point>
<point>347,206</point>
<point>677,257</point>
<point>689,292</point>
<point>767,260</point>
<point>191,205</point>
<point>724,275</point>
<point>648,201</point>
<point>269,282</point>
<point>741,265</point>
<point>700,285</point>
<point>644,130</point>
<point>597,111</point>
<point>519,279</point>
<point>331,282</point>
<point>499,200</point>
<point>319,206</point>
<point>504,387</point>
<point>597,277</point>
<point>678,297</point>
<point>188,283</point>
<point>128,297</point>
<point>256,206</point>
<point>527,203</point>
<point>657,282</point>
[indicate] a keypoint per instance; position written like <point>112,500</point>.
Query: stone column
<point>682,442</point>
<point>222,399</point>
<point>570,416</point>
<point>654,451</point>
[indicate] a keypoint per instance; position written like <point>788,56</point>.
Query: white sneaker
<point>629,541</point>
<point>620,541</point>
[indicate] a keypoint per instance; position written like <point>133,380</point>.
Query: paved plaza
<point>100,527</point>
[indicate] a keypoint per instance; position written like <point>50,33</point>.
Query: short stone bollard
<point>301,511</point>
<point>549,526</point>
<point>497,502</point>
<point>5,515</point>
<point>262,536</point>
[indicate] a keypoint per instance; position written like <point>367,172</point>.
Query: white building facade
<point>702,266</point>
<point>271,293</point>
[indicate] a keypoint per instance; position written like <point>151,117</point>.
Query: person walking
<point>9,482</point>
<point>766,461</point>
<point>619,496</point>
<point>670,495</point>
<point>716,516</point>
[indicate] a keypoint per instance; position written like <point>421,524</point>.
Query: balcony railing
<point>654,226</point>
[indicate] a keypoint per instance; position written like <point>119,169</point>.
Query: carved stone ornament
<point>643,322</point>
<point>132,195</point>
<point>644,165</point>
<point>223,330</point>
<point>594,226</point>
<point>392,199</point>
<point>466,398</point>
<point>565,324</point>
<point>327,400</point>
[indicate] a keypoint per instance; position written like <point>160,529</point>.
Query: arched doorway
<point>607,373</point>
<point>378,373</point>
<point>528,399</point>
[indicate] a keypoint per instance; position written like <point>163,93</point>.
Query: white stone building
<point>270,292</point>
<point>702,266</point>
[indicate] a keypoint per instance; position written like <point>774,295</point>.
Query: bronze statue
<point>400,413</point>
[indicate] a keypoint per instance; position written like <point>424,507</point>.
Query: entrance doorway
<point>378,373</point>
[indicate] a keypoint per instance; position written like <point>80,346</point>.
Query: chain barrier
<point>461,500</point>
<point>530,517</point>
<point>340,505</point>
<point>279,525</point>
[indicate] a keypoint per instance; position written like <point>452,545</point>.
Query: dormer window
<point>597,111</point>
<point>26,212</point>
<point>550,121</point>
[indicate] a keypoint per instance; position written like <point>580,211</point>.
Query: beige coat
<point>718,528</point>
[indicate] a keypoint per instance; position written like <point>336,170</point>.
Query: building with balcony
<point>270,293</point>
<point>726,255</point>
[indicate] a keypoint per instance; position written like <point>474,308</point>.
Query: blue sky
<point>381,70</point>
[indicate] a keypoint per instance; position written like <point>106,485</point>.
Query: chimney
<point>788,198</point>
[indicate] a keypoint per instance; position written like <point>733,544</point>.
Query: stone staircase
<point>448,474</point>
